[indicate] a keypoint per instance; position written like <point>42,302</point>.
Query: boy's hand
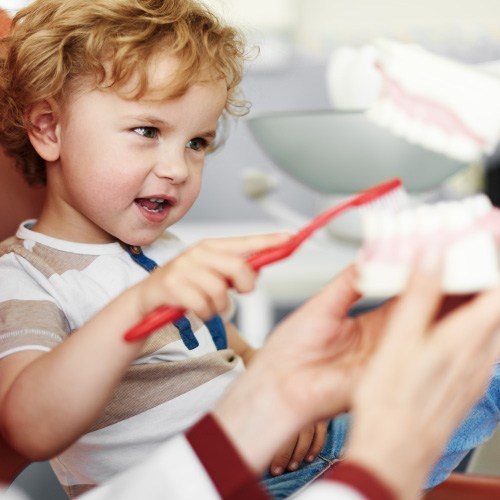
<point>198,279</point>
<point>306,446</point>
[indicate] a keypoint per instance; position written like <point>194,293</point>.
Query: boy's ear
<point>44,132</point>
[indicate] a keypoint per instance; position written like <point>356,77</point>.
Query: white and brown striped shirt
<point>51,287</point>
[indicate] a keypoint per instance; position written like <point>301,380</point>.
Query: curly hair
<point>56,45</point>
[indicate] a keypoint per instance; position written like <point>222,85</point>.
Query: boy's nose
<point>173,167</point>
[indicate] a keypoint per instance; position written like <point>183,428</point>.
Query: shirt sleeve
<point>361,480</point>
<point>231,476</point>
<point>206,454</point>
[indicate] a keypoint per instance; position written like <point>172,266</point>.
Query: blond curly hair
<point>55,45</point>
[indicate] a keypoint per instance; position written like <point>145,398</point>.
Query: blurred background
<point>298,43</point>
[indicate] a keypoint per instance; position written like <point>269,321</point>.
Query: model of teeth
<point>467,232</point>
<point>441,104</point>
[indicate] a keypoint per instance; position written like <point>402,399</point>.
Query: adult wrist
<point>255,418</point>
<point>384,459</point>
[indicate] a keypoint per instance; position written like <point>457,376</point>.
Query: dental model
<point>466,231</point>
<point>436,102</point>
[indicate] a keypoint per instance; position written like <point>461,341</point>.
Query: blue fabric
<point>478,426</point>
<point>142,260</point>
<point>186,333</point>
<point>218,331</point>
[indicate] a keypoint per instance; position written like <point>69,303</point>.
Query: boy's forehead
<point>161,72</point>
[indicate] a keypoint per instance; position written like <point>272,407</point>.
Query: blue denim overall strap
<point>215,325</point>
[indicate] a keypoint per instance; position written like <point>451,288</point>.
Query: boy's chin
<point>139,238</point>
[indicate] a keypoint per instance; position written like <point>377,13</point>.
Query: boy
<point>114,104</point>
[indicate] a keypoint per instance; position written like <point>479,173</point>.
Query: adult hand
<point>304,373</point>
<point>428,371</point>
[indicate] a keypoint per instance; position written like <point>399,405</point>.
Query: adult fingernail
<point>293,466</point>
<point>310,458</point>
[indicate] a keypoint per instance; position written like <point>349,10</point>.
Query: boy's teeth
<point>151,204</point>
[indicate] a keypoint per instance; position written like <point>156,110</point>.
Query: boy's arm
<point>48,400</point>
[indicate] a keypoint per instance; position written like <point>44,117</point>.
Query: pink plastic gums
<point>426,110</point>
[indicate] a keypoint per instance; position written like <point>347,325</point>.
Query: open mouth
<point>154,205</point>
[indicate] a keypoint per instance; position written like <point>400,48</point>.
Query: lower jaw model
<point>465,232</point>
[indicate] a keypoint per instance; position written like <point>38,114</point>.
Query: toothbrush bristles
<point>393,201</point>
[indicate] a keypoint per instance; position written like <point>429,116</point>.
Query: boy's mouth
<point>151,204</point>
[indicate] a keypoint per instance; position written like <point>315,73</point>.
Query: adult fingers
<point>337,296</point>
<point>475,322</point>
<point>418,305</point>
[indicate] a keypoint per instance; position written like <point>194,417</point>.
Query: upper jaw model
<point>466,232</point>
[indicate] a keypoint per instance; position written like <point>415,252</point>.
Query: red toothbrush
<point>389,194</point>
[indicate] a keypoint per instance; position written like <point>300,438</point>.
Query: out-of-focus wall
<point>296,37</point>
<point>318,24</point>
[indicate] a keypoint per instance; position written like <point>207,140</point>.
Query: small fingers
<point>230,266</point>
<point>282,458</point>
<point>246,245</point>
<point>304,442</point>
<point>320,432</point>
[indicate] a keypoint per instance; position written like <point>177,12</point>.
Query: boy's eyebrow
<point>158,122</point>
<point>153,120</point>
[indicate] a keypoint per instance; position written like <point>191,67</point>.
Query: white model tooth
<point>426,221</point>
<point>401,123</point>
<point>385,111</point>
<point>455,216</point>
<point>478,205</point>
<point>387,225</point>
<point>415,131</point>
<point>370,224</point>
<point>462,147</point>
<point>405,223</point>
<point>434,138</point>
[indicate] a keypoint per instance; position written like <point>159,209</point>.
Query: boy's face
<point>127,170</point>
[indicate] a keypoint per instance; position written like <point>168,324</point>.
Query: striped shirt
<point>51,287</point>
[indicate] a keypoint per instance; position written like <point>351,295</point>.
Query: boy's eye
<point>197,143</point>
<point>147,132</point>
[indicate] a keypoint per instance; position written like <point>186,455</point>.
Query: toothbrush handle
<point>154,320</point>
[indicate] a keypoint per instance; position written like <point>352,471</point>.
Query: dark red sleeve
<point>231,476</point>
<point>360,479</point>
